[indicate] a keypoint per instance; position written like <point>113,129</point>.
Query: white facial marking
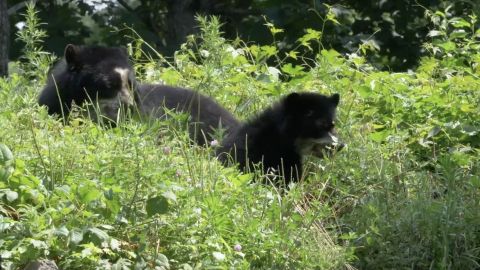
<point>124,95</point>
<point>307,146</point>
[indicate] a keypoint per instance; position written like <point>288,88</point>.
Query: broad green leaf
<point>162,261</point>
<point>467,108</point>
<point>269,50</point>
<point>115,244</point>
<point>379,136</point>
<point>475,180</point>
<point>6,155</point>
<point>435,33</point>
<point>88,193</point>
<point>460,33</point>
<point>293,70</point>
<point>157,205</point>
<point>101,234</point>
<point>62,231</point>
<point>6,160</point>
<point>433,132</point>
<point>448,46</point>
<point>274,72</point>
<point>459,23</point>
<point>309,36</point>
<point>38,244</point>
<point>365,91</point>
<point>76,236</point>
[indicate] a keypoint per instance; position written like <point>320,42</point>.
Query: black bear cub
<point>282,134</point>
<point>102,75</point>
<point>206,116</point>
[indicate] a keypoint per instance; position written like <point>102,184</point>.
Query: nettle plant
<point>433,111</point>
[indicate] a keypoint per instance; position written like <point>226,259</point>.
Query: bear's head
<point>100,75</point>
<point>311,120</point>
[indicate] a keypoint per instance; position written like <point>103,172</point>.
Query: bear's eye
<point>309,113</point>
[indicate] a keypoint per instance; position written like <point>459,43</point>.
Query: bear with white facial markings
<point>102,75</point>
<point>279,137</point>
<point>105,77</point>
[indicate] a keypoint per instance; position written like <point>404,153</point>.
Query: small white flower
<point>218,256</point>
<point>167,150</point>
<point>204,53</point>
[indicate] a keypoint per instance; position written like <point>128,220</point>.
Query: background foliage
<point>392,32</point>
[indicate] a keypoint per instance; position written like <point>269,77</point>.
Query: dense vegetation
<point>392,31</point>
<point>404,193</point>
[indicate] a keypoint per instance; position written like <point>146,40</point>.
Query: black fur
<point>86,72</point>
<point>278,136</point>
<point>206,115</point>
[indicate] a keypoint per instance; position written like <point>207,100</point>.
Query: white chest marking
<point>125,92</point>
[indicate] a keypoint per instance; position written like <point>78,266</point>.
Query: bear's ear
<point>292,99</point>
<point>335,99</point>
<point>71,55</point>
<point>291,103</point>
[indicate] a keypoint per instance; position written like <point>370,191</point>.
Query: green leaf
<point>62,231</point>
<point>379,136</point>
<point>293,70</point>
<point>273,29</point>
<point>76,236</point>
<point>88,193</point>
<point>38,244</point>
<point>274,73</point>
<point>269,50</point>
<point>115,244</point>
<point>331,55</point>
<point>293,54</point>
<point>459,23</point>
<point>6,161</point>
<point>467,108</point>
<point>365,91</point>
<point>309,36</point>
<point>162,261</point>
<point>460,33</point>
<point>433,132</point>
<point>448,46</point>
<point>6,155</point>
<point>157,205</point>
<point>475,180</point>
<point>102,235</point>
<point>171,76</point>
<point>435,33</point>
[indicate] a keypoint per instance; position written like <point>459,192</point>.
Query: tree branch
<point>126,6</point>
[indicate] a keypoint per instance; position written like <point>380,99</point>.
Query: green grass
<point>404,194</point>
